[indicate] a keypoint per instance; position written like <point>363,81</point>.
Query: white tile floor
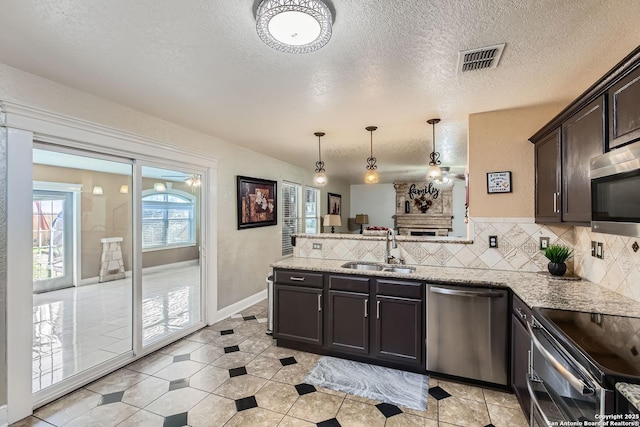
<point>77,328</point>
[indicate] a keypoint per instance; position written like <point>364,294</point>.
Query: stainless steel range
<point>576,359</point>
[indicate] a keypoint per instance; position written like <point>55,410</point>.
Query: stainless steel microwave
<point>615,191</point>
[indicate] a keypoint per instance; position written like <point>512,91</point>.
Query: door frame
<point>22,125</point>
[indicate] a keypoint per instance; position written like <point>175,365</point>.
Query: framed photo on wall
<point>499,182</point>
<point>257,202</point>
<point>334,204</point>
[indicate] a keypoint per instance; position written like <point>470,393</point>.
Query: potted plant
<point>557,255</point>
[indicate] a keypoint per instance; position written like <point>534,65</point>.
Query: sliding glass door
<point>171,259</point>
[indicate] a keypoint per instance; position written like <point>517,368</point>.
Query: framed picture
<point>334,204</point>
<point>257,202</point>
<point>499,182</point>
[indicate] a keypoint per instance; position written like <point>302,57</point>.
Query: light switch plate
<point>493,241</point>
<point>600,250</point>
<point>544,242</point>
<point>317,246</point>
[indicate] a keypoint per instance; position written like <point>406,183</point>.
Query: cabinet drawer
<point>349,283</point>
<point>520,310</point>
<point>399,288</point>
<point>292,277</point>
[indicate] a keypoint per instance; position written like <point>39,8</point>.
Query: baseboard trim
<point>237,307</point>
<point>3,416</point>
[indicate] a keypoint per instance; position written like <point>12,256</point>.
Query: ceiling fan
<point>447,176</point>
<point>193,180</point>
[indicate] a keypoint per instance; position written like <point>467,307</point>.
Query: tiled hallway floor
<point>232,374</point>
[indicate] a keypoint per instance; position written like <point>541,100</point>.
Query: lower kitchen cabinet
<point>398,330</point>
<point>348,322</point>
<point>520,347</point>
<point>298,313</point>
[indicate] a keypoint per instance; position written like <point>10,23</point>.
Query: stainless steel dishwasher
<point>467,332</point>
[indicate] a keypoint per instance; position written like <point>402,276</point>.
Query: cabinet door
<point>348,322</point>
<point>520,346</point>
<point>399,330</point>
<point>547,161</point>
<point>582,139</point>
<point>624,110</point>
<point>298,312</point>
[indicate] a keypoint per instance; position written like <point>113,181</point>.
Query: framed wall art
<point>257,202</point>
<point>499,182</point>
<point>334,204</point>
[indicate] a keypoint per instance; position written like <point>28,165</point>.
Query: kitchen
<point>498,140</point>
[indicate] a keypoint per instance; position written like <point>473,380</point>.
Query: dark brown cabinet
<point>520,347</point>
<point>547,160</point>
<point>624,110</point>
<point>348,314</point>
<point>582,138</point>
<point>399,322</point>
<point>375,320</point>
<point>562,161</point>
<point>298,306</point>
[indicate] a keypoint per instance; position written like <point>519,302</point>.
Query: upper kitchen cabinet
<point>582,138</point>
<point>566,145</point>
<point>547,152</point>
<point>624,110</point>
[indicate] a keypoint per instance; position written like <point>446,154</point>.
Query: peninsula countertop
<point>536,290</point>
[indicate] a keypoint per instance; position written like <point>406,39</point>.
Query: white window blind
<point>312,210</point>
<point>167,219</point>
<point>291,215</point>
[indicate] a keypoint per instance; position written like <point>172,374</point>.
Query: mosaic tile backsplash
<point>518,250</point>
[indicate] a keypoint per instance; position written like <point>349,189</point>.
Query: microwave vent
<point>478,59</point>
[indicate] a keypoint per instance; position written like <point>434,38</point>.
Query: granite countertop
<point>534,289</point>
<point>382,236</point>
<point>631,392</point>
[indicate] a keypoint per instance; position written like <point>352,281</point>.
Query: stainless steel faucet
<point>391,243</point>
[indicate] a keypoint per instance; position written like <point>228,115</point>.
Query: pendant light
<point>371,177</point>
<point>319,178</point>
<point>434,171</point>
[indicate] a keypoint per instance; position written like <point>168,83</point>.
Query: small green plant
<point>558,253</point>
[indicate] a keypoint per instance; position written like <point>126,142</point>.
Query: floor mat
<point>374,382</point>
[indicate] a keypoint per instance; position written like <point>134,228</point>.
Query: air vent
<point>477,59</point>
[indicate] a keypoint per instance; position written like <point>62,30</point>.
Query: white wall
<point>376,200</point>
<point>379,202</point>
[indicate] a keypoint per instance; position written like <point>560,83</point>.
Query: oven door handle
<point>534,402</point>
<point>574,381</point>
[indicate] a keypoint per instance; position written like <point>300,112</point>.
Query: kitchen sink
<point>403,269</point>
<point>363,266</point>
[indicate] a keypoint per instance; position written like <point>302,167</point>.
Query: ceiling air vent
<point>477,59</point>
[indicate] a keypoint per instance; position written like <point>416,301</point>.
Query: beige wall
<point>499,141</point>
<point>243,255</point>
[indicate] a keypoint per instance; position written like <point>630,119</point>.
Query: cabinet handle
<point>377,309</point>
<point>555,202</point>
<point>366,308</point>
<point>296,279</point>
<point>521,314</point>
<point>319,302</point>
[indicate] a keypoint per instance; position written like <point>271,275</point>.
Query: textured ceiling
<point>389,63</point>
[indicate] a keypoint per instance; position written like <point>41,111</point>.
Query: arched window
<point>168,219</point>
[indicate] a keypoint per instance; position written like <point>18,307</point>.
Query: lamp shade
<point>362,219</point>
<point>332,221</point>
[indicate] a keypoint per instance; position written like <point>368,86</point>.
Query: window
<point>311,210</point>
<point>291,215</point>
<point>167,219</point>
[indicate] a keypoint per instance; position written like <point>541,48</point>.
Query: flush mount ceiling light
<point>371,177</point>
<point>434,171</point>
<point>319,178</point>
<point>294,26</point>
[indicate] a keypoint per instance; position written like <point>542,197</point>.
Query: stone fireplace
<point>423,209</point>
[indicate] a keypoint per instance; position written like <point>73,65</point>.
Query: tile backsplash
<point>518,250</point>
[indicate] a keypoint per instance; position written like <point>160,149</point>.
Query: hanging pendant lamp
<point>371,177</point>
<point>319,178</point>
<point>434,171</point>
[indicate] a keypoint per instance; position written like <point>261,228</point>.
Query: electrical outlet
<point>544,242</point>
<point>317,246</point>
<point>594,245</point>
<point>493,241</point>
<point>600,250</point>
